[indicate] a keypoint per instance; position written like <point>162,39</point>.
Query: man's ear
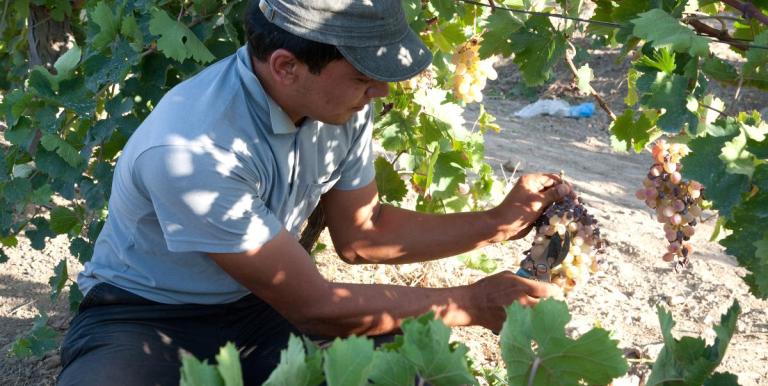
<point>284,66</point>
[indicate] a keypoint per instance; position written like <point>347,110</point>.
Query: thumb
<point>557,193</point>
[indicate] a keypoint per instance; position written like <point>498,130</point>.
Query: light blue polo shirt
<point>217,167</point>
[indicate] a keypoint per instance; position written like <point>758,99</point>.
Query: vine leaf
<point>426,345</point>
<point>391,187</point>
<point>496,39</point>
<point>537,49</point>
<point>670,93</point>
<point>348,361</point>
<point>629,133</point>
<point>228,360</point>
<point>296,368</point>
<point>557,360</point>
<point>108,23</point>
<point>663,30</point>
<point>688,360</point>
<point>59,279</point>
<point>40,339</point>
<point>176,40</point>
<point>391,369</point>
<point>702,165</point>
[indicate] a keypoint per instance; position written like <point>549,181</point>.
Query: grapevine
<point>677,201</point>
<point>565,246</point>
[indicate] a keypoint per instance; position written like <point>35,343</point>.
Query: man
<point>209,194</point>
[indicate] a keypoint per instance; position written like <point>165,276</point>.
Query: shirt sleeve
<point>357,169</point>
<point>203,201</point>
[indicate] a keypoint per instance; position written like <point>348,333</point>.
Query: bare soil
<point>621,298</point>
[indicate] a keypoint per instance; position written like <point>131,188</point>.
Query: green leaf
<point>64,220</point>
<point>228,361</point>
<point>670,93</point>
<point>746,233</point>
<point>13,106</point>
<point>75,297</point>
<point>449,172</point>
<point>40,232</point>
<point>663,30</point>
<point>17,190</point>
<point>108,23</point>
<point>52,142</point>
<point>703,165</point>
<point>630,134</point>
<point>479,261</point>
<point>391,369</point>
<point>66,64</point>
<point>720,70</point>
<point>584,75</point>
<point>537,49</point>
<point>294,368</point>
<point>42,195</point>
<point>100,70</point>
<point>736,157</point>
<point>688,360</point>
<point>196,373</point>
<point>130,29</point>
<point>497,35</point>
<point>176,40</point>
<point>39,340</point>
<point>391,186</point>
<point>722,379</point>
<point>59,279</point>
<point>426,345</point>
<point>81,249</point>
<point>348,361</point>
<point>3,256</point>
<point>591,359</point>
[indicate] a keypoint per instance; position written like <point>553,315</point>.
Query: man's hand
<point>497,291</point>
<point>527,200</point>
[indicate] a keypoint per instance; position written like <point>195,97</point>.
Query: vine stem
<point>534,369</point>
<point>593,92</point>
<point>748,9</point>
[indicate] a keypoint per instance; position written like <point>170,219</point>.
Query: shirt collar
<point>280,123</point>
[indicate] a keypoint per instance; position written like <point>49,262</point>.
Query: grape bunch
<point>677,202</point>
<point>565,247</point>
<point>471,73</point>
<point>424,80</point>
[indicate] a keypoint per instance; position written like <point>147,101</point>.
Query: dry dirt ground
<point>622,297</point>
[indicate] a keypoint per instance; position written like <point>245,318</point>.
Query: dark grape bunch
<point>677,202</point>
<point>565,246</point>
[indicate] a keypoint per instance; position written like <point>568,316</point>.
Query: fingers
<point>537,289</point>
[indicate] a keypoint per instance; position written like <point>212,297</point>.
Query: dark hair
<point>264,38</point>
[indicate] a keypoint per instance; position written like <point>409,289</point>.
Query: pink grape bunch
<point>565,246</point>
<point>677,201</point>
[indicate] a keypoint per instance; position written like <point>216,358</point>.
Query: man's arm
<point>365,231</point>
<point>281,273</point>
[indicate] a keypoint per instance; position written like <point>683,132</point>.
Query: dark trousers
<point>119,338</point>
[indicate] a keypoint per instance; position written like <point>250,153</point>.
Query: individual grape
<point>677,202</point>
<point>565,247</point>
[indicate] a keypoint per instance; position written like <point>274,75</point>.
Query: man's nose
<point>377,89</point>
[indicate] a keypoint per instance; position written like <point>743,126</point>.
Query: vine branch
<point>748,9</point>
<point>593,92</point>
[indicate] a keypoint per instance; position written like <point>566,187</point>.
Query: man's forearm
<point>362,309</point>
<point>398,235</point>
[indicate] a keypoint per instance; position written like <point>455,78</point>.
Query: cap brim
<point>393,62</point>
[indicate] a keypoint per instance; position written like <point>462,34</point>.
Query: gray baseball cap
<point>372,35</point>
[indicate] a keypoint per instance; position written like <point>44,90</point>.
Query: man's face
<point>337,92</point>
